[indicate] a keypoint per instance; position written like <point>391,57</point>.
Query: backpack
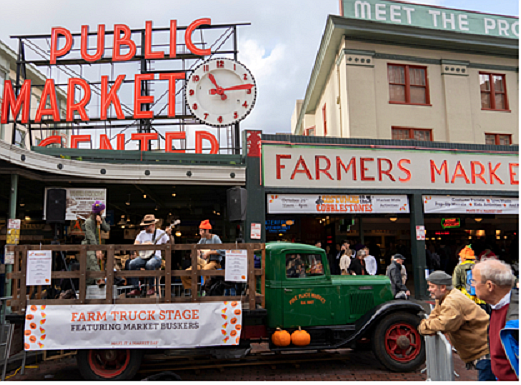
<point>468,281</point>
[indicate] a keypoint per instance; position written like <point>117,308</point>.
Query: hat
<point>399,256</point>
<point>440,278</point>
<point>205,225</point>
<point>149,219</point>
<point>467,253</point>
<point>98,207</point>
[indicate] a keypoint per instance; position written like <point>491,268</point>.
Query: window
<point>304,265</point>
<point>19,139</point>
<point>493,92</point>
<point>408,84</point>
<point>403,133</point>
<point>498,139</point>
<point>309,131</point>
<point>325,119</point>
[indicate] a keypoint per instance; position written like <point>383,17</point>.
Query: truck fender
<point>372,317</point>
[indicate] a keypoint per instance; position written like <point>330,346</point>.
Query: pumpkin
<point>32,325</point>
<point>300,337</point>
<point>29,317</point>
<point>281,338</point>
<point>238,327</point>
<point>27,332</point>
<point>32,339</point>
<point>234,303</point>
<point>233,333</point>
<point>237,312</point>
<point>233,321</point>
<point>27,346</point>
<point>467,253</point>
<point>33,308</point>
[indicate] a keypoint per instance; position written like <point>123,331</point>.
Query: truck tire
<point>397,343</point>
<point>109,364</point>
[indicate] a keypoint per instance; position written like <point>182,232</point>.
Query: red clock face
<point>221,92</point>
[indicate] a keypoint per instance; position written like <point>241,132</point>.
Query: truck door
<point>308,294</point>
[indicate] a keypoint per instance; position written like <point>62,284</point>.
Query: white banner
<point>355,168</point>
<point>79,201</point>
<point>434,204</point>
<point>337,204</point>
<point>161,326</point>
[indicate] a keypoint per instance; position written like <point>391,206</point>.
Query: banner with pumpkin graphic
<point>148,326</point>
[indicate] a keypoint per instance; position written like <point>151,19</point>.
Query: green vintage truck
<point>337,311</point>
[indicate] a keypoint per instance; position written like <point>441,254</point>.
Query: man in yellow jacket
<point>464,322</point>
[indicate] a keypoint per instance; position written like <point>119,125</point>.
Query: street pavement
<point>350,366</point>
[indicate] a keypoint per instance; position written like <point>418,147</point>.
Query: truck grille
<point>360,303</point>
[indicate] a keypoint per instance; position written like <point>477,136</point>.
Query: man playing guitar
<point>148,259</point>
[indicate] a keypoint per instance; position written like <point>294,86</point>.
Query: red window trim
<point>493,93</point>
<point>408,85</point>
<point>306,130</point>
<point>411,131</point>
<point>324,117</point>
<point>496,137</point>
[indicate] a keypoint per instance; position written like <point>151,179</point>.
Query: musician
<point>149,235</point>
<point>92,227</point>
<point>213,258</point>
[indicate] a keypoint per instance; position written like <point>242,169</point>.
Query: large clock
<point>221,92</point>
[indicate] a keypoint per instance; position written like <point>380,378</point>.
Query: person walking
<point>462,320</point>
<point>462,276</point>
<point>92,226</point>
<point>345,259</point>
<point>394,272</point>
<point>493,281</point>
<point>370,262</point>
<point>357,266</point>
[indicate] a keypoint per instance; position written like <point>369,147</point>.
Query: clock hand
<point>234,88</point>
<point>212,79</point>
<point>219,90</point>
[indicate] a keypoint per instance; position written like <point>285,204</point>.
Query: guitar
<point>147,254</point>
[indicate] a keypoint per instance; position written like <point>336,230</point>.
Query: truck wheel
<point>109,364</point>
<point>397,343</point>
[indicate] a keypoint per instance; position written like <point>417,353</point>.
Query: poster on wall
<point>39,267</point>
<point>150,326</point>
<point>79,202</point>
<point>236,266</point>
<point>337,204</point>
<point>443,204</point>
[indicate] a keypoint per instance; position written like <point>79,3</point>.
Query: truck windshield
<point>303,265</point>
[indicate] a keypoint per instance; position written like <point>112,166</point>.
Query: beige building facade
<point>8,59</point>
<point>380,80</point>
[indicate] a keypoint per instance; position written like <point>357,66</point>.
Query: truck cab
<point>341,310</point>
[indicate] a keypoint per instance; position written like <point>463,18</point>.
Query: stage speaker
<point>236,199</point>
<point>55,206</point>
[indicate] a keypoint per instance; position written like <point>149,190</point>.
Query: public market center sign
<point>422,16</point>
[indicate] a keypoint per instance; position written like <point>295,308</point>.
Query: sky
<point>279,47</point>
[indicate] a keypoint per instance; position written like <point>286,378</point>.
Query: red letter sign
<point>140,99</point>
<point>48,91</point>
<point>75,139</point>
<point>188,37</point>
<point>199,136</point>
<point>171,90</point>
<point>55,52</point>
<point>169,136</point>
<point>148,44</point>
<point>111,97</point>
<point>85,42</point>
<point>125,40</point>
<point>80,106</point>
<point>144,138</point>
<point>10,99</point>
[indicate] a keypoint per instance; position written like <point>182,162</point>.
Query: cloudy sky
<point>279,47</point>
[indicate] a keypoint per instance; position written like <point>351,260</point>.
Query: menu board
<point>39,267</point>
<point>236,266</point>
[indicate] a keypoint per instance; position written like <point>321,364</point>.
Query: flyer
<point>39,267</point>
<point>236,266</point>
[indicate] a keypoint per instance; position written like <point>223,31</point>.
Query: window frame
<point>411,133</point>
<point>492,93</point>
<point>308,278</point>
<point>309,129</point>
<point>408,85</point>
<point>496,138</point>
<point>324,118</point>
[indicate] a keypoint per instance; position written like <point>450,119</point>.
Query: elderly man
<point>493,281</point>
<point>462,320</point>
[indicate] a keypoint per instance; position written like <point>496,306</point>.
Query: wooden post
<point>263,277</point>
<point>23,279</point>
<point>194,274</point>
<point>251,277</point>
<point>83,270</point>
<point>110,275</point>
<point>168,274</point>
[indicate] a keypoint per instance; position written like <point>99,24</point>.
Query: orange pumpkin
<point>32,339</point>
<point>281,338</point>
<point>467,253</point>
<point>33,308</point>
<point>32,325</point>
<point>237,311</point>
<point>300,337</point>
<point>234,303</point>
<point>233,333</point>
<point>27,346</point>
<point>27,332</point>
<point>238,327</point>
<point>233,321</point>
<point>29,317</point>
